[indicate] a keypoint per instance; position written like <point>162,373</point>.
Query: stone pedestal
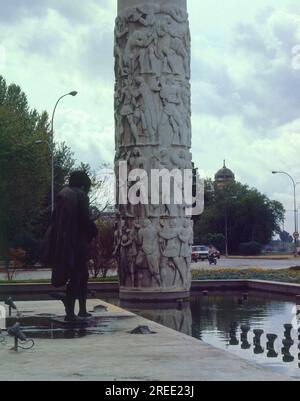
<point>152,132</point>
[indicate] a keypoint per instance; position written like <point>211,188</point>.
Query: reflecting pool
<point>256,326</point>
<point>240,323</point>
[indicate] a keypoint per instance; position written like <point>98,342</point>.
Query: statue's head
<point>182,154</point>
<point>80,179</point>
<point>162,223</point>
<point>173,223</point>
<point>136,152</point>
<point>146,223</point>
<point>186,224</point>
<point>164,153</point>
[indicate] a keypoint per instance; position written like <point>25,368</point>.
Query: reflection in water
<point>270,346</point>
<point>258,349</point>
<point>176,316</point>
<point>47,327</point>
<point>245,343</point>
<point>244,324</point>
<point>244,336</point>
<point>222,319</point>
<point>286,350</point>
<point>233,334</point>
<point>233,322</point>
<point>272,354</point>
<point>288,330</point>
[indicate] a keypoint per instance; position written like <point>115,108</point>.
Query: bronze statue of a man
<point>66,247</point>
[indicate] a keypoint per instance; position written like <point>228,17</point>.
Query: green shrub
<point>103,248</point>
<point>218,240</point>
<point>250,248</point>
<point>29,244</point>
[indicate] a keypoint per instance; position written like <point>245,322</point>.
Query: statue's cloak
<point>66,245</point>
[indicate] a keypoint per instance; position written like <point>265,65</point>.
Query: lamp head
<point>274,172</point>
<point>73,93</point>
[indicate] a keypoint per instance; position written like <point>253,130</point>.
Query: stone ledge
<point>148,295</point>
<point>255,285</point>
<point>197,285</point>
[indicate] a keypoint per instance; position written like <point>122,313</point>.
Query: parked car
<point>199,252</point>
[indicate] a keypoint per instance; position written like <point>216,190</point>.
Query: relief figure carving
<point>149,251</point>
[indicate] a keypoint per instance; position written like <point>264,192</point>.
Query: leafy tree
<point>102,248</point>
<point>218,240</point>
<point>250,248</point>
<point>285,237</point>
<point>251,216</point>
<point>24,167</point>
<point>25,171</point>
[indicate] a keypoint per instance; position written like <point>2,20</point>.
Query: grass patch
<point>282,275</point>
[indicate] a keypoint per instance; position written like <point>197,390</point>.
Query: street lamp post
<point>295,204</point>
<point>51,145</point>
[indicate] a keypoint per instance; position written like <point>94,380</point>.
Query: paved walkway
<point>118,355</point>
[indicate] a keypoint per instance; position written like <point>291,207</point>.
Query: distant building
<point>224,176</point>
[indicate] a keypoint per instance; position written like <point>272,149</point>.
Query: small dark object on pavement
<point>142,330</point>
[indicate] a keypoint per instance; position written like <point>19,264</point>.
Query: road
<point>222,263</point>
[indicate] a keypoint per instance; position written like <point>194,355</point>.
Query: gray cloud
<point>246,96</point>
<point>249,40</point>
<point>75,11</point>
<point>15,10</point>
<point>97,55</point>
<point>43,43</point>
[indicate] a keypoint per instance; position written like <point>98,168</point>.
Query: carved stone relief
<point>153,131</point>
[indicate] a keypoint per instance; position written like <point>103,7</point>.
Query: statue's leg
<point>131,261</point>
<point>83,291</point>
<point>188,271</point>
<point>154,268</point>
<point>140,277</point>
<point>71,295</point>
<point>180,269</point>
<point>133,128</point>
<point>163,270</point>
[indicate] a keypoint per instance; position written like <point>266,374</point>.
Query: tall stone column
<point>152,131</point>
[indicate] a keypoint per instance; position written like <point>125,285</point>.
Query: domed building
<point>224,176</point>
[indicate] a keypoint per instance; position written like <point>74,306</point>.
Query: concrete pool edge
<point>197,285</point>
<point>248,285</point>
<point>168,355</point>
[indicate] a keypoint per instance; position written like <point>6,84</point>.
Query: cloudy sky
<point>245,81</point>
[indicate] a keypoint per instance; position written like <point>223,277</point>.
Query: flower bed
<point>283,275</point>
